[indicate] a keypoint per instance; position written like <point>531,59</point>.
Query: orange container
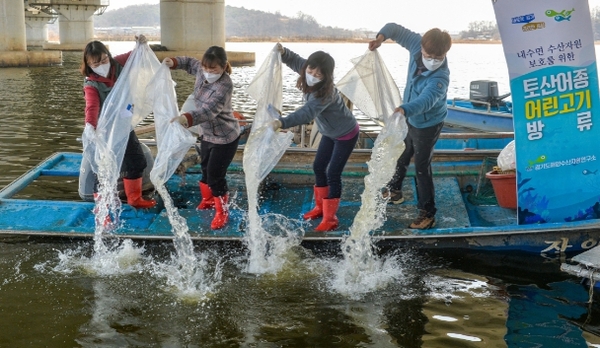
<point>505,188</point>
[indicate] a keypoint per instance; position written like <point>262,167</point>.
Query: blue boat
<point>44,203</point>
<point>484,111</point>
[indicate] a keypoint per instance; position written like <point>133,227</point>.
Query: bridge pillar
<point>75,21</point>
<point>36,24</point>
<point>12,25</point>
<point>75,25</point>
<point>189,27</point>
<point>13,40</point>
<point>192,25</point>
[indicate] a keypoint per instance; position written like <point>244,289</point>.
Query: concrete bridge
<point>188,27</point>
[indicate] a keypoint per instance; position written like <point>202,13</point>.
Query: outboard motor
<point>486,91</point>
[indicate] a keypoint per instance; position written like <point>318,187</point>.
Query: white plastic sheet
<point>267,85</point>
<point>190,105</point>
<point>265,146</point>
<point>143,66</point>
<point>173,140</point>
<point>370,86</point>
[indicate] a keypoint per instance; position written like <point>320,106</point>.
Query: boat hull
<point>462,114</point>
<point>287,192</point>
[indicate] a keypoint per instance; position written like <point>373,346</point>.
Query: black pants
<point>329,163</point>
<point>216,158</point>
<point>134,160</point>
<point>419,142</point>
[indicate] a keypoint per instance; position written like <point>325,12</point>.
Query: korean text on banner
<point>549,49</point>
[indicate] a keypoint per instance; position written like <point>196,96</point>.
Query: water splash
<point>186,284</point>
<point>270,236</point>
<point>356,279</point>
<point>107,209</point>
<point>372,89</point>
<point>182,241</point>
<point>189,284</point>
<point>256,237</point>
<point>173,143</point>
<point>269,249</point>
<point>261,153</point>
<point>119,259</point>
<point>111,255</point>
<point>185,273</point>
<point>362,270</point>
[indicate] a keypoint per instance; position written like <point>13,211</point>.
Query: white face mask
<point>210,77</point>
<point>102,69</point>
<point>432,64</point>
<point>311,80</point>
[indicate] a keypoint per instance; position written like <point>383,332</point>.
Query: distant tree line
<point>488,30</point>
<point>239,23</point>
<point>481,30</point>
<point>245,24</point>
<point>130,16</point>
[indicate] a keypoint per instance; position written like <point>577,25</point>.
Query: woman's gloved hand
<point>276,125</point>
<point>141,39</point>
<point>280,48</point>
<point>168,62</point>
<point>182,120</point>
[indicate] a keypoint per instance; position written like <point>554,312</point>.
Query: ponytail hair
<point>216,55</point>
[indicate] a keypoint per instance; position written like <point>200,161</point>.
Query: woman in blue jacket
<point>336,123</point>
<point>424,107</point>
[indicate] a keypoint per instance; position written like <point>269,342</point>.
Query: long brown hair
<point>216,55</point>
<point>94,50</point>
<point>326,65</point>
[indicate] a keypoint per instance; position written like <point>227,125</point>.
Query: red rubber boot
<point>320,193</point>
<point>207,197</point>
<point>133,191</point>
<point>221,212</point>
<point>330,221</point>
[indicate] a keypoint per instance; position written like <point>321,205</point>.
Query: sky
<point>420,16</point>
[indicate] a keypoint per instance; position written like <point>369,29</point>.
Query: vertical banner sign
<point>549,49</point>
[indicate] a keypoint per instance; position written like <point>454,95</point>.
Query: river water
<point>53,294</point>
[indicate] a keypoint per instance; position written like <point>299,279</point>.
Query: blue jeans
<point>329,163</point>
<point>419,143</point>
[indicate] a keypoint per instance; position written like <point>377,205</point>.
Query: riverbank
<point>287,39</point>
<point>345,40</point>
